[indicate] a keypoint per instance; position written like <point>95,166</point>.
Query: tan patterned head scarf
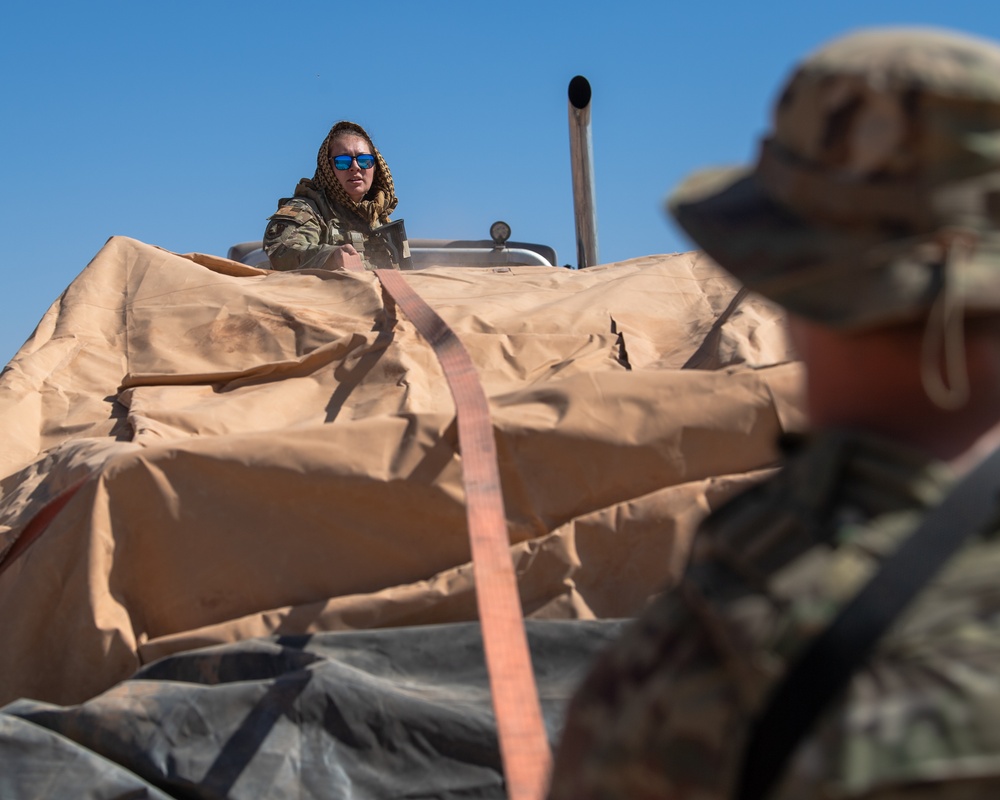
<point>376,206</point>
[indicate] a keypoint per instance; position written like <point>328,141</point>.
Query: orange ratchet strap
<point>524,745</point>
<point>38,523</point>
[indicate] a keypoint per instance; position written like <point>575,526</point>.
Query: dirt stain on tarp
<point>253,330</point>
<point>247,330</point>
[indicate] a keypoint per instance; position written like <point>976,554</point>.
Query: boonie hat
<point>877,189</point>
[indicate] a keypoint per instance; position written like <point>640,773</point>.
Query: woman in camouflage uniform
<point>332,215</point>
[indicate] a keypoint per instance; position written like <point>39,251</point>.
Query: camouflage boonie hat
<point>883,164</point>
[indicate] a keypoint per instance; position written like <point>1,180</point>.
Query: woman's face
<point>356,181</point>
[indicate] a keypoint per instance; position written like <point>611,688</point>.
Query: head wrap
<point>374,208</point>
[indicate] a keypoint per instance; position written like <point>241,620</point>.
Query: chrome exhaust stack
<point>581,154</point>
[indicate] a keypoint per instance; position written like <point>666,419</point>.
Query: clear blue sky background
<point>181,123</point>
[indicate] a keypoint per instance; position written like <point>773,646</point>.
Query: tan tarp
<point>265,454</point>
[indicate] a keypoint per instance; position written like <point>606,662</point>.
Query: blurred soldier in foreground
<point>873,217</point>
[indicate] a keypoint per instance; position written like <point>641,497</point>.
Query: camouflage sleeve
<point>667,711</point>
<point>292,239</point>
<point>659,716</point>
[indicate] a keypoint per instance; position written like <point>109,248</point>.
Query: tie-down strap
<point>524,745</point>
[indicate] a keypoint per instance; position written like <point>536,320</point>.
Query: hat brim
<point>830,274</point>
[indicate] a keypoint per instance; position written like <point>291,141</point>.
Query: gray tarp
<point>394,713</point>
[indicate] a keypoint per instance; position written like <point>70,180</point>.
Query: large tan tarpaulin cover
<point>264,453</point>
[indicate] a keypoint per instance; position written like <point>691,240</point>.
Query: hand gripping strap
<point>826,666</point>
<point>524,745</point>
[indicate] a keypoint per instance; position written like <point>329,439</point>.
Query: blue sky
<point>182,123</point>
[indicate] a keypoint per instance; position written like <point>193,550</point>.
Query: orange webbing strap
<point>354,263</point>
<point>37,524</point>
<point>524,745</point>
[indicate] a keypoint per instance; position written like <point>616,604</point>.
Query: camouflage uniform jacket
<point>306,229</point>
<point>665,712</point>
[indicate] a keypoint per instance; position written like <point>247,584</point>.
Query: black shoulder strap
<point>829,661</point>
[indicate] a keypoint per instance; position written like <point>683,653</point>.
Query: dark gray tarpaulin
<point>393,713</point>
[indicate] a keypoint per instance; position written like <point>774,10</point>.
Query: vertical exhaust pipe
<point>582,159</point>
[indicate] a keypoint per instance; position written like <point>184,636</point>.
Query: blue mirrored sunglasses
<point>365,161</point>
